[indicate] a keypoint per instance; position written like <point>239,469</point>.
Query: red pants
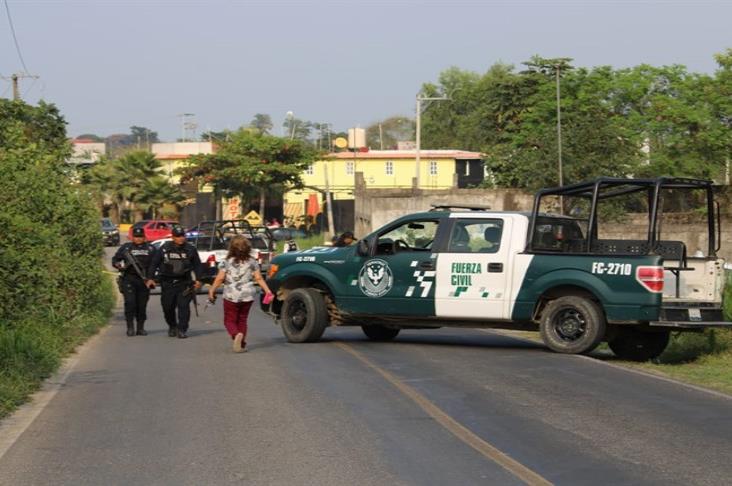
<point>236,315</point>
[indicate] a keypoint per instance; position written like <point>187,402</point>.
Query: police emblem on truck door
<point>375,278</point>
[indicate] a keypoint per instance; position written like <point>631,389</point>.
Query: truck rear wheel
<point>304,316</point>
<point>380,333</point>
<point>572,325</point>
<point>636,345</point>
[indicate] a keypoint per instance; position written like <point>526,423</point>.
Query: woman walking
<point>238,273</point>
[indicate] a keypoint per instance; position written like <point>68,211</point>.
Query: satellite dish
<point>340,142</point>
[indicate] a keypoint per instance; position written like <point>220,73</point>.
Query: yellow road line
<point>456,428</point>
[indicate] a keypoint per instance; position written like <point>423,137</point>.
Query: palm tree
<point>156,192</point>
<point>132,172</point>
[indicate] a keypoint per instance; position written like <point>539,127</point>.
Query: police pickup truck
<point>557,273</point>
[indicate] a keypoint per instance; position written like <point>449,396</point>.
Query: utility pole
<point>328,200</point>
<point>559,127</point>
<point>418,137</point>
<point>15,80</point>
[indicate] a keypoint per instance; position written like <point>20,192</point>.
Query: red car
<point>155,229</point>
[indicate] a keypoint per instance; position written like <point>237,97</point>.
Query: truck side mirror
<point>362,248</point>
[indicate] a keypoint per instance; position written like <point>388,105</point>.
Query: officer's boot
<point>141,328</point>
<point>130,328</point>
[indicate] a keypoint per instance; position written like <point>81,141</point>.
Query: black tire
<point>572,325</point>
<point>304,316</point>
<point>380,333</point>
<point>636,345</point>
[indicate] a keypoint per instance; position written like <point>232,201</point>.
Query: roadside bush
<point>53,292</point>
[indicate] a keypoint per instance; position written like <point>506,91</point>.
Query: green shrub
<point>53,292</point>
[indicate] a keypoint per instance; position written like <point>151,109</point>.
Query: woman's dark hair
<point>240,249</point>
<point>341,241</point>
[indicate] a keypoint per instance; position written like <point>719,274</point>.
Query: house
<point>172,156</point>
<point>85,151</point>
<point>385,169</point>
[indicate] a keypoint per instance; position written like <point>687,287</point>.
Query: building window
<point>310,170</point>
<point>433,167</point>
<point>389,167</point>
<point>349,167</point>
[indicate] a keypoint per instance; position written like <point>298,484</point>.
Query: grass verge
<point>31,350</point>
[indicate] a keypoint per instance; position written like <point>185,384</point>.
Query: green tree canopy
<point>252,163</point>
<point>388,132</point>
<point>643,120</point>
<point>262,122</point>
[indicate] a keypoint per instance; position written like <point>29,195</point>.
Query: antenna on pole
<point>187,126</point>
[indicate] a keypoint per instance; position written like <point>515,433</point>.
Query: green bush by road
<point>53,292</point>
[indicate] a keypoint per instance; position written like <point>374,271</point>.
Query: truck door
<point>399,279</point>
<point>473,269</point>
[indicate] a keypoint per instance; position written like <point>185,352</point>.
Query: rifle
<point>133,262</point>
<point>192,290</point>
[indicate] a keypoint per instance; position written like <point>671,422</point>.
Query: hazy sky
<point>109,64</point>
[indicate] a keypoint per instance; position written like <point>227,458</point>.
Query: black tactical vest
<point>177,261</point>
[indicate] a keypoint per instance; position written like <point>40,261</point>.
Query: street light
<point>418,134</point>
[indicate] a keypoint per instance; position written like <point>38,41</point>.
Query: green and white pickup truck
<point>469,267</point>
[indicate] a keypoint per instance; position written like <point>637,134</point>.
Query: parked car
<point>110,232</point>
<point>155,229</point>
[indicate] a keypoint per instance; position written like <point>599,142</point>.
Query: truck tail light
<point>272,270</point>
<point>650,277</point>
<point>211,260</point>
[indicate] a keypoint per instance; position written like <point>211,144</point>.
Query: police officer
<point>175,261</point>
<point>131,259</point>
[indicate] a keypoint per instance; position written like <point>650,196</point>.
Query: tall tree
<point>143,136</point>
<point>252,163</point>
<point>263,123</point>
<point>386,133</point>
<point>297,129</point>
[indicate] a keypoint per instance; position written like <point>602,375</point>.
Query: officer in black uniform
<point>131,259</point>
<point>175,261</point>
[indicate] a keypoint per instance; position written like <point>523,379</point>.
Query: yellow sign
<point>253,218</point>
<point>340,142</point>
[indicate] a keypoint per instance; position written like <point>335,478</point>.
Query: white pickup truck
<point>211,239</point>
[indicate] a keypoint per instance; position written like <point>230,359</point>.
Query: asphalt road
<point>433,407</point>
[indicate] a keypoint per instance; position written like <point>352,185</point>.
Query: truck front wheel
<point>304,316</point>
<point>636,345</point>
<point>376,332</point>
<point>572,325</point>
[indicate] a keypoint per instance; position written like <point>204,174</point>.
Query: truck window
<point>411,236</point>
<point>476,236</point>
<point>558,234</point>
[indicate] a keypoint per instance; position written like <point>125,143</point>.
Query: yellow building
<point>385,169</point>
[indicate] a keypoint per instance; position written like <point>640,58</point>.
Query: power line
<point>15,38</point>
<point>35,80</point>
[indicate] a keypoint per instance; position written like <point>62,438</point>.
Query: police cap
<point>139,231</point>
<point>178,231</point>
